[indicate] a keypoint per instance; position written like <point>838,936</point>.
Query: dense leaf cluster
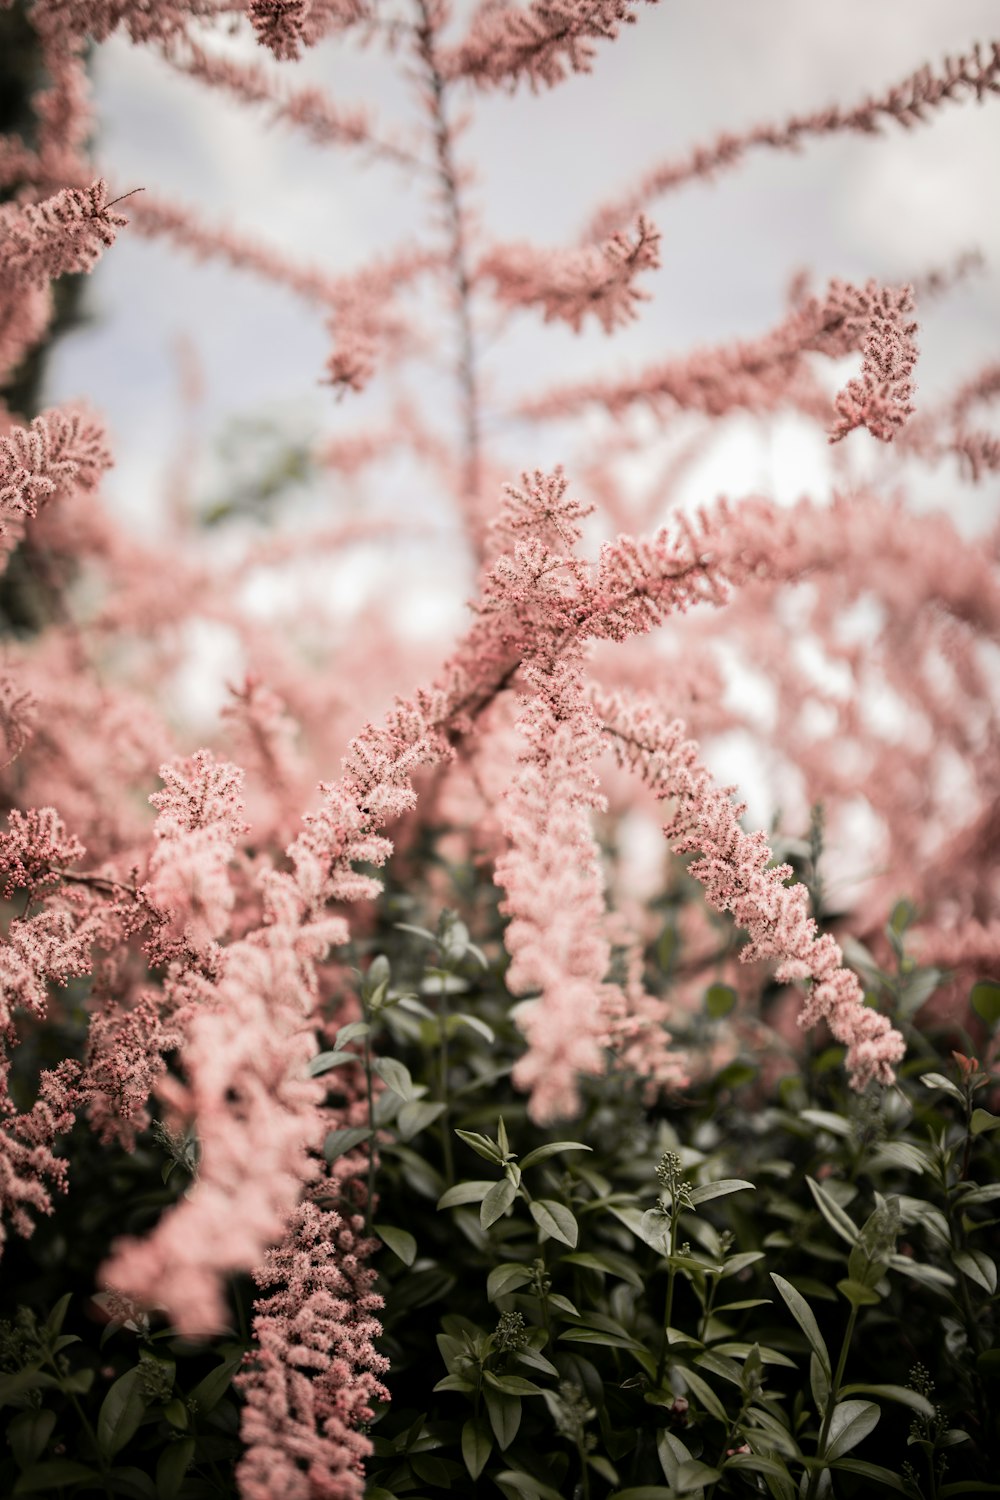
<point>740,1293</point>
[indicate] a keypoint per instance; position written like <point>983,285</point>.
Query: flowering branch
<point>568,285</point>
<point>975,73</point>
<point>735,869</point>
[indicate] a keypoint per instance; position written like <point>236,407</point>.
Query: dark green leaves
<point>985,1001</point>
<point>496,1202</point>
<point>806,1319</point>
<point>121,1412</point>
<point>400,1241</point>
<point>555,1221</point>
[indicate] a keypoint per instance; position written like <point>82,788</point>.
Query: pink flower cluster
<point>739,876</point>
<point>569,285</point>
<point>205,931</point>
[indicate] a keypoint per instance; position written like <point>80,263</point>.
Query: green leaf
<point>477,1445</point>
<point>672,1453</point>
<point>505,1415</point>
<point>57,1316</point>
<point>720,1189</point>
<point>209,1392</point>
<point>850,1424</point>
<point>536,1361</point>
<point>819,1382</point>
<point>542,1153</point>
<point>839,1221</point>
<point>607,1262</point>
<point>496,1203</point>
<point>733,1264</point>
<point>768,1355</point>
<point>692,1475</point>
<point>939,1081</point>
<point>455,1383</point>
<point>324,1061</point>
<point>878,1474</point>
<point>917,990</point>
<point>350,1033</point>
<point>474,1024</point>
<point>704,1395</point>
<point>437,1472</point>
<point>416,1115</point>
<point>28,1434</point>
<point>720,999</point>
<point>985,1001</point>
<point>976,1195</point>
<point>121,1412</point>
<point>340,1142</point>
<point>395,1076</point>
<point>418,931</point>
<point>512,1385</point>
<point>969,1487</point>
<point>857,1294</point>
<point>482,1145</point>
<point>555,1221</point>
<point>400,1242</point>
<point>900,1393</point>
<point>903,915</point>
<point>53,1475</point>
<point>645,1492</point>
<point>465,1192</point>
<point>176,1413</point>
<point>171,1467</point>
<point>916,1270</point>
<point>601,1336</point>
<point>979,1267</point>
<point>736,1075</point>
<point>824,1119</point>
<point>508,1277</point>
<point>526,1484</point>
<point>805,1317</point>
<point>757,1463</point>
<point>982,1121</point>
<point>876,1244</point>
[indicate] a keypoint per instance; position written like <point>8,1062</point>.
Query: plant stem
<point>458,257</point>
<point>88,1428</point>
<point>668,1310</point>
<point>369,1206</point>
<point>443,1090</point>
<point>707,1309</point>
<point>584,1476</point>
<point>831,1400</point>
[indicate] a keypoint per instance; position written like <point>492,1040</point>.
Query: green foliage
<point>736,1292</point>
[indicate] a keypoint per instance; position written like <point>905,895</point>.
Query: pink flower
<point>736,871</point>
<point>569,284</point>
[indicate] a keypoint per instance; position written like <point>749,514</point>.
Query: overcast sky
<point>888,207</point>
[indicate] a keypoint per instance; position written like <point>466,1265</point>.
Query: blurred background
<point>211,379</point>
<point>846,206</point>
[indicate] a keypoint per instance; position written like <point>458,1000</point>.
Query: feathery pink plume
<point>542,41</point>
<point>310,1381</point>
<point>734,868</point>
<point>58,451</point>
<point>975,73</point>
<point>67,232</point>
<point>771,372</point>
<point>570,284</point>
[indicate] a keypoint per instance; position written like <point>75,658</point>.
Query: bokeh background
<point>191,364</point>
